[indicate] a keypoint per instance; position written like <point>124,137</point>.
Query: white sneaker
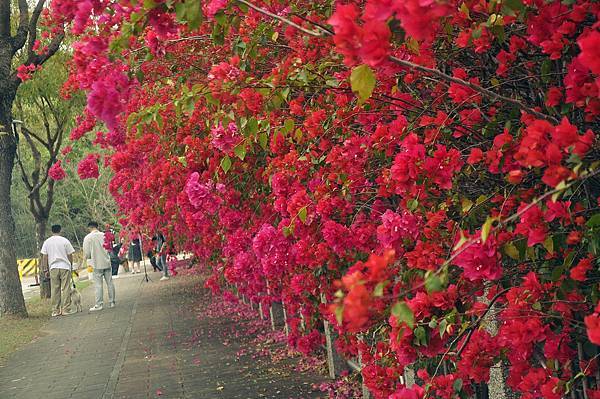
<point>112,305</point>
<point>115,276</point>
<point>95,308</point>
<point>163,278</point>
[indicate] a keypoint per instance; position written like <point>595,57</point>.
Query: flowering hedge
<point>427,168</point>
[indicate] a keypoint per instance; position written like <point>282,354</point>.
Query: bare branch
<point>282,19</point>
<point>24,175</point>
<point>18,41</point>
<point>477,88</point>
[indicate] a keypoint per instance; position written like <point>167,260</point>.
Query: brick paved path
<point>154,344</point>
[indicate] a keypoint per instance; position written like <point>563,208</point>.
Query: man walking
<point>161,252</point>
<point>93,248</point>
<point>57,260</point>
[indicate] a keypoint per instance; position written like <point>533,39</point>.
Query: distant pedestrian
<point>57,260</point>
<point>93,248</point>
<point>161,255</point>
<point>135,255</point>
<point>115,260</point>
<point>151,254</point>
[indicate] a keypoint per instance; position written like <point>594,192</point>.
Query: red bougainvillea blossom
<point>56,171</point>
<point>423,175</point>
<point>88,167</point>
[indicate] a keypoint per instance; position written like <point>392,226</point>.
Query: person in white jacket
<point>93,248</point>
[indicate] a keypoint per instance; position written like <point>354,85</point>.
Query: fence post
<point>497,387</point>
<point>335,363</point>
<point>271,315</point>
<point>286,328</point>
<point>365,391</point>
<point>409,377</point>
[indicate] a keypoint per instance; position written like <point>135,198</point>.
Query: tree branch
<point>35,16</point>
<point>34,183</point>
<point>431,71</point>
<point>282,19</point>
<point>18,41</point>
<point>39,59</point>
<point>477,88</point>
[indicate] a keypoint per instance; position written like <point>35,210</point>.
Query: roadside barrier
<point>28,267</point>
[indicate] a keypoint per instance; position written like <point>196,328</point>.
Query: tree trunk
<point>41,225</point>
<point>11,294</point>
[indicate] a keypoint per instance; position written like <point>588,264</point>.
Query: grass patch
<point>18,332</point>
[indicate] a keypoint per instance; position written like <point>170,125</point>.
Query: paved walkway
<point>157,343</point>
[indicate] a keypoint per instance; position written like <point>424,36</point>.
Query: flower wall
<point>422,174</point>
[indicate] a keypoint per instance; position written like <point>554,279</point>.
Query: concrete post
<point>365,391</point>
<point>497,388</point>
<point>335,363</point>
<point>286,327</point>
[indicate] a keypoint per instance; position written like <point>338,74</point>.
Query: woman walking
<point>135,255</point>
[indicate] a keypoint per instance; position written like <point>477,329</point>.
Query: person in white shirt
<point>57,260</point>
<point>93,248</point>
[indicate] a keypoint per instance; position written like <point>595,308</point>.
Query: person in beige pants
<point>57,260</point>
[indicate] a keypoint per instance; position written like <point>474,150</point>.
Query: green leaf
<point>465,10</point>
<point>593,221</point>
<point>515,5</point>
<point>560,187</point>
<point>302,214</point>
<point>289,125</point>
<point>466,205</point>
<point>432,282</point>
<point>159,120</point>
<point>149,4</point>
<point>420,336</point>
<point>412,204</point>
<point>378,291</point>
<point>457,385</point>
<point>189,12</point>
<point>240,151</point>
<point>339,314</point>
<point>511,251</point>
<point>486,228</point>
<point>362,81</point>
<point>251,127</point>
<point>557,273</point>
<point>263,140</point>
<point>443,326</point>
<point>298,135</point>
<point>549,244</point>
<point>288,230</point>
<point>403,314</point>
<point>226,164</point>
